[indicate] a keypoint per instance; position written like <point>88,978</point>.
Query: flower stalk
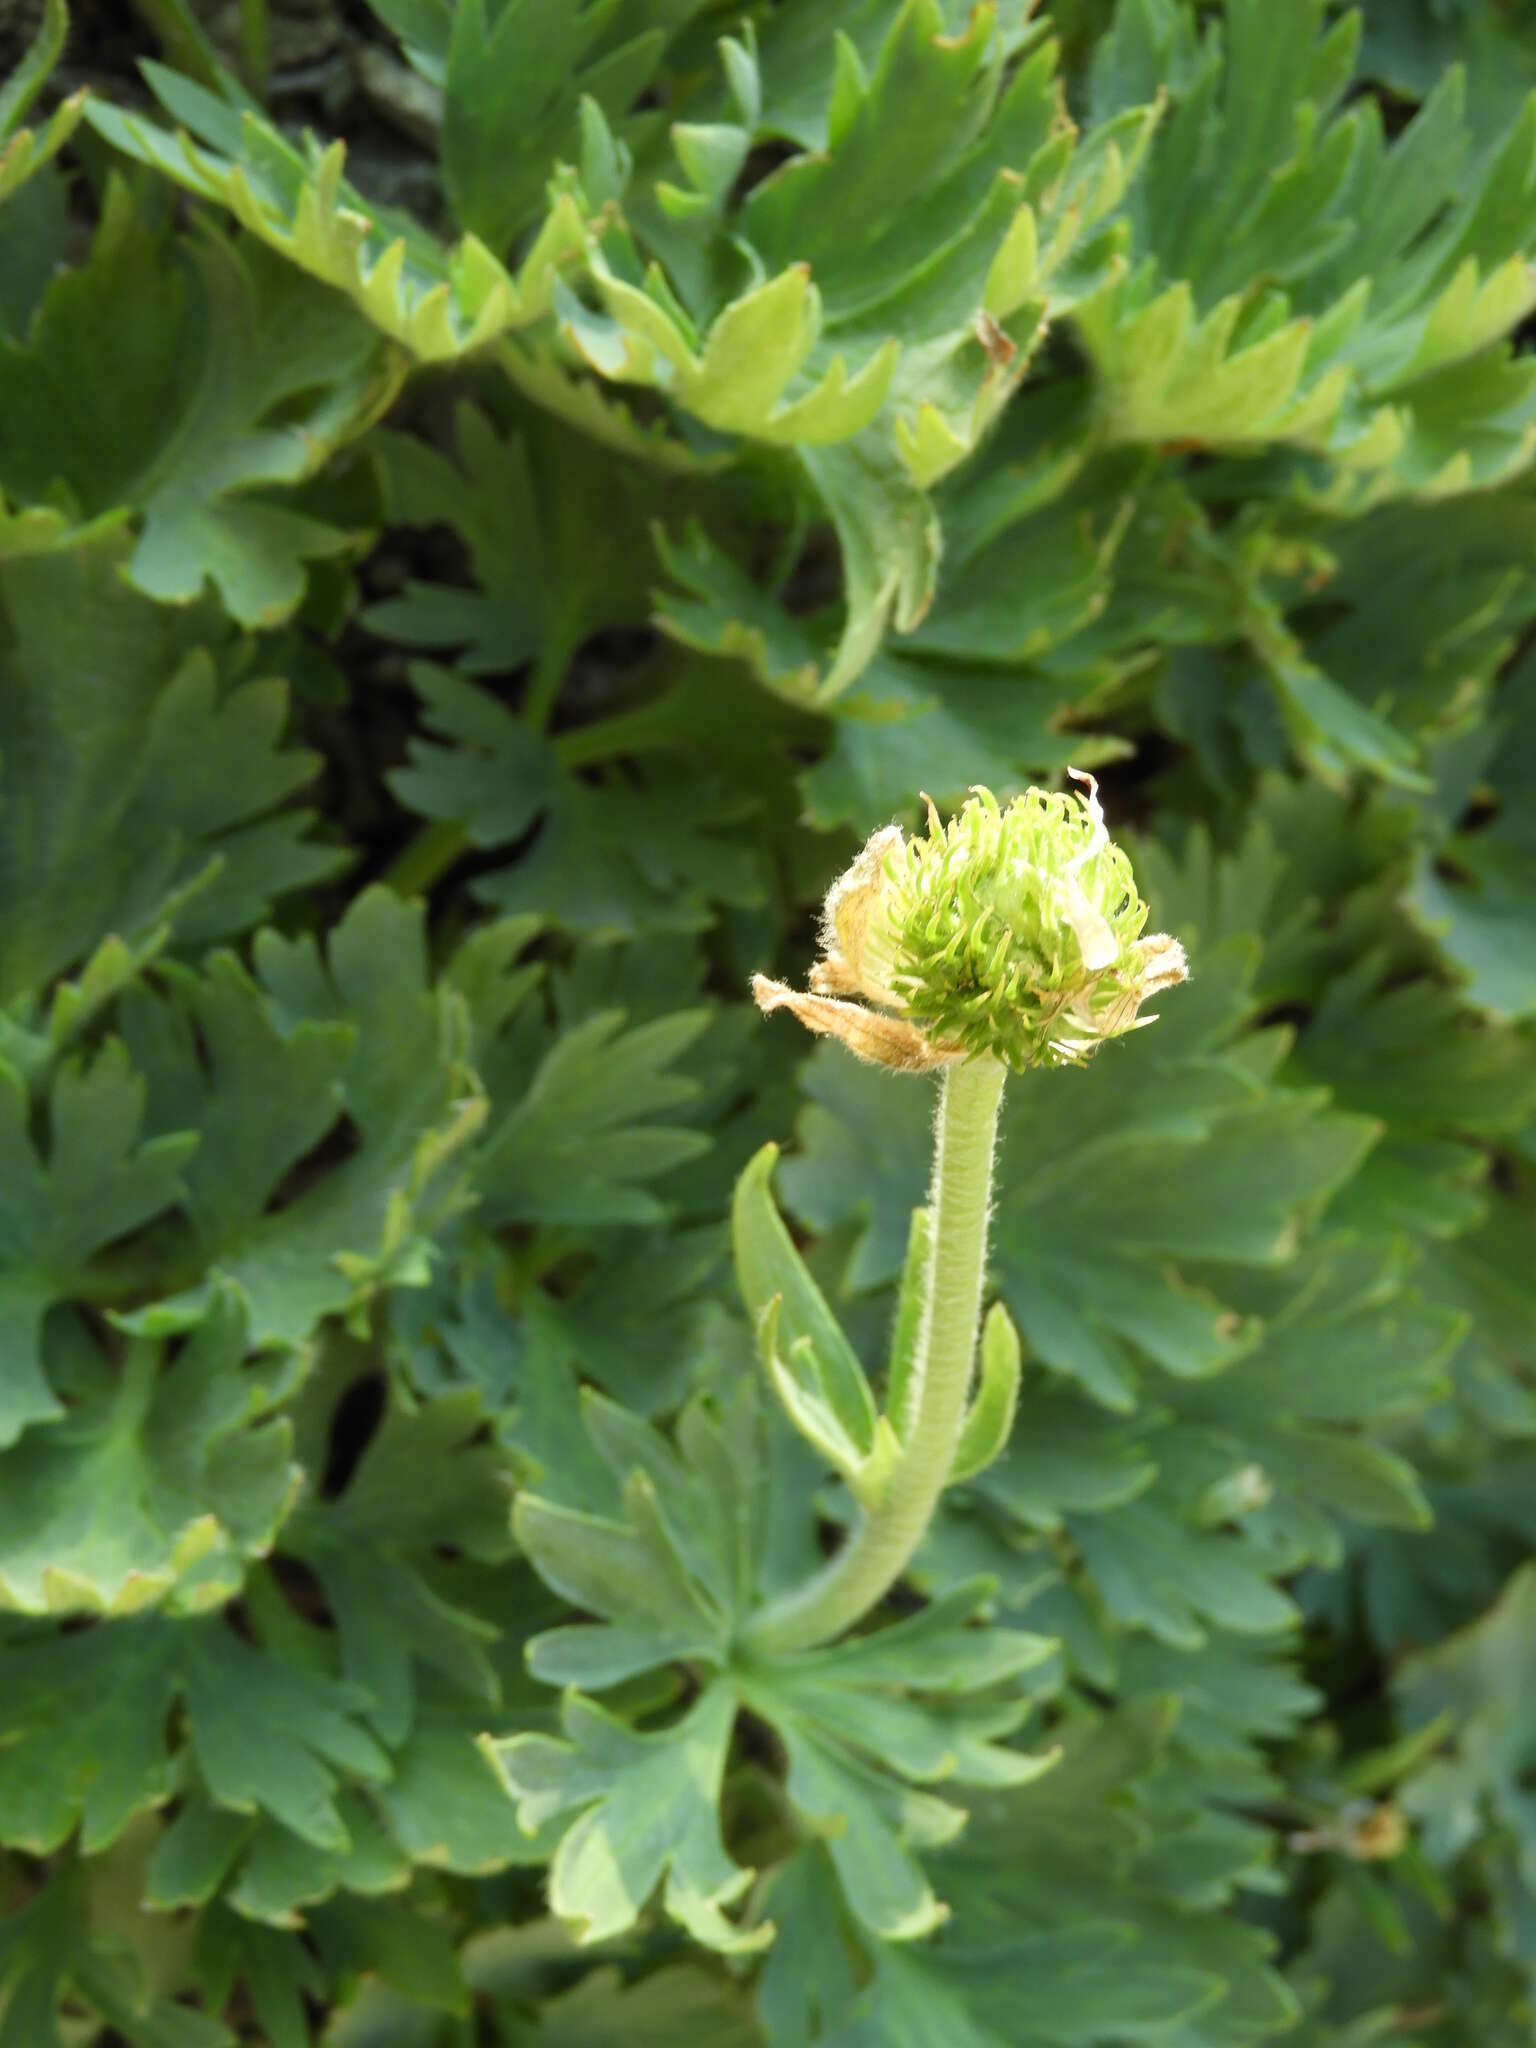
<point>938,1389</point>
<point>1009,938</point>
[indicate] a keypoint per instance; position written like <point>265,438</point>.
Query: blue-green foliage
<point>457,613</point>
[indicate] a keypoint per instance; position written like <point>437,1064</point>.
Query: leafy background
<point>496,501</point>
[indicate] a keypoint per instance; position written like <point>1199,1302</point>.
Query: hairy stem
<point>876,1555</point>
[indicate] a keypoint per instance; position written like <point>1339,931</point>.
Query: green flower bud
<point>1014,931</point>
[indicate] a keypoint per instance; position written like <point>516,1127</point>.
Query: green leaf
<point>380,2018</point>
<point>83,1726</point>
<point>1472,891</point>
<point>808,1976</point>
<point>774,1281</point>
<point>31,74</point>
<point>1336,730</point>
<point>1371,344</point>
<point>845,1690</point>
<point>282,1875</point>
<point>891,543</point>
<point>588,1134</point>
<point>269,1737</point>
<point>35,233</point>
<point>1155,1572</point>
<point>422,1481</point>
<point>932,714</point>
<point>646,1810</point>
<point>940,299</point>
<point>23,150</point>
<point>1412,49</point>
<point>861,1723</point>
<point>153,1491</point>
<point>626,1571</point>
<point>748,375</point>
<point>1485,1275</point>
<point>215,1059</point>
<point>278,1973</point>
<point>725,613</point>
<point>1057,1989</point>
<point>393,1941</point>
<point>989,1420</point>
<point>937,94</point>
<point>963,227</point>
<point>710,1491</point>
<point>1345,1342</point>
<point>444,1805</point>
<point>648,1335</point>
<point>1174,376</point>
<point>511,85</point>
<point>1431,602</point>
<point>97,1181</point>
<point>1067,1456</point>
<point>85,1731</point>
<point>855,1744</point>
<point>230,374</point>
<point>139,790</point>
<point>1482,1676</point>
<point>801,1386</point>
<point>438,303</point>
<point>608,862</point>
<point>1110,1824</point>
<point>360,1036</point>
<point>678,2002</point>
<point>672,1579</point>
<point>440,1807</point>
<point>1413,1056</point>
<point>557,533</point>
<point>52,1963</point>
<point>1235,1691</point>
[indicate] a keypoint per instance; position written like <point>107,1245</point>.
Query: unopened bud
<point>1013,932</point>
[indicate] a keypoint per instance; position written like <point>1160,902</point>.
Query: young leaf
<point>439,303</point>
<point>911,1305</point>
<point>769,1270</point>
<point>989,1420</point>
<point>802,1390</point>
<point>23,150</point>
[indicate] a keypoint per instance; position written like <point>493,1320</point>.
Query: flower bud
<point>1013,932</point>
